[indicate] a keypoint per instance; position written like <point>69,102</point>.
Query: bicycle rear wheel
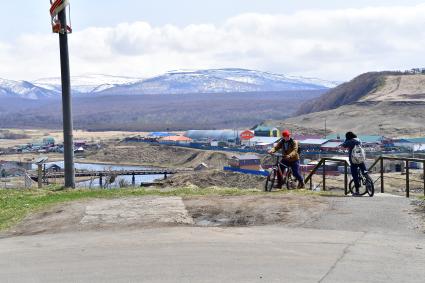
<point>362,190</point>
<point>271,178</point>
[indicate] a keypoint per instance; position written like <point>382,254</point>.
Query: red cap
<point>286,134</point>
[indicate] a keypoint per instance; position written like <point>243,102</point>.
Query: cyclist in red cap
<point>290,157</point>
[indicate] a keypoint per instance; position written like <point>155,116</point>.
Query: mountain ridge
<point>230,80</point>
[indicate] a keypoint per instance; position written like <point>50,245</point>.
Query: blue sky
<point>143,38</point>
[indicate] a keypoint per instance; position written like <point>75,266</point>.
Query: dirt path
<point>152,211</point>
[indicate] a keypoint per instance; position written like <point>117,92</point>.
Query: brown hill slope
<point>387,103</point>
<point>347,93</point>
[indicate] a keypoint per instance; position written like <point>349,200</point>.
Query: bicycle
<point>288,177</point>
<point>366,184</point>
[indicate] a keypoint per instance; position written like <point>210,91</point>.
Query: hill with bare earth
<point>388,103</point>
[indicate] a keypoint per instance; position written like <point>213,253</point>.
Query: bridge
<point>104,173</point>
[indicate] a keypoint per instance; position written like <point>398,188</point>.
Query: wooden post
<point>324,175</point>
<point>133,180</point>
<point>345,178</point>
<point>165,176</point>
<point>40,175</point>
<point>382,174</point>
<point>101,180</point>
<point>407,179</point>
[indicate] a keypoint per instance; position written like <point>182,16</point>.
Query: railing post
<point>133,180</point>
<point>40,175</point>
<point>345,178</point>
<point>311,183</point>
<point>382,174</point>
<point>101,180</point>
<point>407,179</point>
<point>324,175</point>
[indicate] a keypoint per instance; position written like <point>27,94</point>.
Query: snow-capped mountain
<point>86,83</point>
<point>173,82</point>
<point>23,89</point>
<point>219,81</point>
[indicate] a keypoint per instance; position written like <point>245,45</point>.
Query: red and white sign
<point>247,135</point>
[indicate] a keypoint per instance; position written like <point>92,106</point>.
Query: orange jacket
<point>291,150</point>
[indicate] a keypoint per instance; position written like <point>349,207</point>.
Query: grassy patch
<point>16,204</point>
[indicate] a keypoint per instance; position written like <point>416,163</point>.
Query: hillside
<point>155,112</point>
<point>347,93</point>
<point>387,103</point>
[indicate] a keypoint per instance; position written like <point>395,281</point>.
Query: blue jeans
<point>295,166</point>
<point>355,174</point>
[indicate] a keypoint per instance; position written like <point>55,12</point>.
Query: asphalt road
<point>329,248</point>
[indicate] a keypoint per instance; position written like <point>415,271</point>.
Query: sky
<point>333,40</point>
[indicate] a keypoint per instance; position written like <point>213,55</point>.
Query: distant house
<point>367,140</point>
<point>414,144</point>
<point>79,150</point>
<point>48,141</point>
<point>175,140</point>
<point>214,135</point>
<point>201,167</point>
<point>312,144</point>
<point>264,131</point>
<point>261,142</point>
<point>158,135</point>
<point>80,143</point>
<point>53,168</point>
<point>331,146</point>
<point>248,161</point>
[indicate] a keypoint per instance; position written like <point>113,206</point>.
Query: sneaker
<point>356,195</point>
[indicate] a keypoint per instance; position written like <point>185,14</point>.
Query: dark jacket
<point>350,144</point>
<point>289,148</point>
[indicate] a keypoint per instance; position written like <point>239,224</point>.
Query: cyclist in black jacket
<point>351,141</point>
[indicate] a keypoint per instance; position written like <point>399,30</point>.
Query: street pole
<point>325,129</point>
<point>66,104</point>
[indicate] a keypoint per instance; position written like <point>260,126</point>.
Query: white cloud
<point>331,44</point>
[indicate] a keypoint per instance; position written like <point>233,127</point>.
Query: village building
<point>312,144</point>
<point>248,162</point>
<point>232,136</point>
<point>175,140</point>
<point>264,131</point>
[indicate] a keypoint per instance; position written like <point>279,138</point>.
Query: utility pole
<point>325,129</point>
<point>62,28</point>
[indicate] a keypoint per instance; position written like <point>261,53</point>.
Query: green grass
<point>16,204</point>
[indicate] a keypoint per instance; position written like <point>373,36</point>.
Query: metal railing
<point>380,160</point>
<point>407,163</point>
<point>322,163</point>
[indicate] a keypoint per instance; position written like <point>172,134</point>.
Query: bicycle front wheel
<point>271,178</point>
<point>291,182</point>
<point>370,187</point>
<point>362,190</point>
